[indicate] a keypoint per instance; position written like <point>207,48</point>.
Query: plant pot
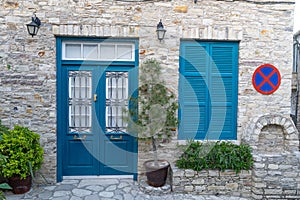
<point>156,175</point>
<point>20,186</point>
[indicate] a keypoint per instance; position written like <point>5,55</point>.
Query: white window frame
<point>116,44</point>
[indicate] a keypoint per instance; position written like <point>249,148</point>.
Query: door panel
<point>80,145</point>
<point>118,154</point>
<point>118,144</point>
<point>80,155</point>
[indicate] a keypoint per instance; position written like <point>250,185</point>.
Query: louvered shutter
<point>223,90</point>
<point>193,90</point>
<point>208,90</point>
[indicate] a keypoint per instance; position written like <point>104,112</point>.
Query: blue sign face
<point>266,79</point>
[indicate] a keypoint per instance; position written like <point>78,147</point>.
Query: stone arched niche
<point>271,139</point>
<point>271,134</point>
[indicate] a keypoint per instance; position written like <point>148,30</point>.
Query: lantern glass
<point>32,28</point>
<point>160,33</point>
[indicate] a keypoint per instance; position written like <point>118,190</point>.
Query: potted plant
<point>156,117</point>
<point>24,155</point>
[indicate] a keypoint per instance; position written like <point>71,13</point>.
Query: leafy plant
<point>216,155</point>
<point>23,152</point>
<point>156,117</point>
<point>4,186</point>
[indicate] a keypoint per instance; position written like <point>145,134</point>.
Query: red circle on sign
<point>266,79</point>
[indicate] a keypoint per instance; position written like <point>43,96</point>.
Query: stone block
<point>260,173</point>
<point>273,197</point>
<point>272,191</point>
<point>272,178</point>
<point>273,166</point>
<point>215,188</point>
<point>176,181</point>
<point>178,173</point>
<point>284,167</point>
<point>188,188</point>
<point>200,188</point>
<point>181,9</point>
<point>258,191</point>
<point>228,173</point>
<point>290,174</point>
<point>198,181</point>
<point>260,185</point>
<point>258,165</point>
<point>232,186</point>
<point>290,192</point>
<point>213,173</point>
<point>274,173</point>
<point>203,173</point>
<point>189,173</point>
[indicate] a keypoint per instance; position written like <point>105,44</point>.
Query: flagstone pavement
<point>103,189</point>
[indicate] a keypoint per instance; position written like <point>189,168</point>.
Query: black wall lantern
<point>34,25</point>
<point>160,31</point>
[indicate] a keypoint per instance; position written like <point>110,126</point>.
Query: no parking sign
<point>266,79</point>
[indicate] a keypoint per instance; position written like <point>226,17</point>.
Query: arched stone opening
<point>272,134</point>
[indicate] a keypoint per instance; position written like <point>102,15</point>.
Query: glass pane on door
<point>116,101</point>
<point>80,101</point>
<point>73,51</point>
<point>107,52</point>
<point>90,51</point>
<point>124,52</point>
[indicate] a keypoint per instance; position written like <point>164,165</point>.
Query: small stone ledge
<point>147,189</point>
<point>212,182</point>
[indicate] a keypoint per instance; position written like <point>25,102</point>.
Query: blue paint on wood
<point>97,154</point>
<point>208,85</point>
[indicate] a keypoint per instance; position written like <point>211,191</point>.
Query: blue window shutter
<point>208,90</point>
<point>223,90</point>
<point>193,90</point>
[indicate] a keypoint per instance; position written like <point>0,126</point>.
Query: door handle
<point>95,97</point>
<point>75,137</point>
<point>116,138</point>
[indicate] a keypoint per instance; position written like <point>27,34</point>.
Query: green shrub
<point>216,155</point>
<point>23,152</point>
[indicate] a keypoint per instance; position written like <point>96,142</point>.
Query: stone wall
<point>275,143</point>
<point>276,176</point>
<point>212,182</point>
<point>28,65</point>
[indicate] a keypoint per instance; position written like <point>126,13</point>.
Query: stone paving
<point>103,189</point>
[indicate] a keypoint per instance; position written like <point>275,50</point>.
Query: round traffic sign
<point>266,79</point>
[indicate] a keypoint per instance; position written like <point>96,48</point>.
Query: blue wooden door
<point>94,136</point>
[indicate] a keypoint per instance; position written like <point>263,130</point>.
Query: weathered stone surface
<point>264,32</point>
<point>214,182</point>
<point>181,9</point>
<point>81,192</point>
<point>189,188</point>
<point>106,194</point>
